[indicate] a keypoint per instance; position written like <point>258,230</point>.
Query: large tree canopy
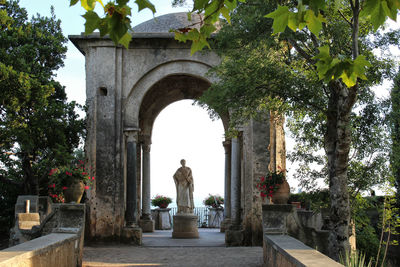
<point>38,127</point>
<point>262,71</point>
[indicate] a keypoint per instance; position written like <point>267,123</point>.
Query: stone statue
<point>184,189</point>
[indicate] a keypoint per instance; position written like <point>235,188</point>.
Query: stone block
<point>21,203</point>
<point>215,217</point>
<point>27,220</point>
<point>234,236</point>
<point>164,219</point>
<point>132,235</point>
<point>147,225</point>
<point>185,226</point>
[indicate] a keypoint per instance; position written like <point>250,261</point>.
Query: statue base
<point>185,226</point>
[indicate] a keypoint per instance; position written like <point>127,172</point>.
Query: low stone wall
<point>58,249</point>
<point>286,251</point>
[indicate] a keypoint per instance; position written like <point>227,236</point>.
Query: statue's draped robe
<point>184,189</point>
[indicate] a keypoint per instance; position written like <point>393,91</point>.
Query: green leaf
<point>207,29</point>
<point>378,10</point>
<point>125,40</point>
<point>122,2</point>
<point>199,4</point>
<point>73,2</point>
<point>88,4</point>
<point>280,17</point>
<point>230,4</point>
<point>360,64</point>
<point>103,26</point>
<point>315,5</point>
<point>143,4</point>
<point>225,13</point>
<point>211,8</point>
<point>92,21</point>
<point>314,23</point>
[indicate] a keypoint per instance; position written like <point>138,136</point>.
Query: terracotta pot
<point>281,196</point>
<point>74,192</point>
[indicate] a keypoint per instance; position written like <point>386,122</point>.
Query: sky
<point>180,131</point>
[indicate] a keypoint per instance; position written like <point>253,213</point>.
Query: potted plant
<point>161,201</point>
<point>215,215</point>
<point>214,201</point>
<point>67,183</point>
<point>275,187</point>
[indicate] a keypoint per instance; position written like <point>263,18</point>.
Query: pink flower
<point>262,179</point>
<point>86,187</point>
<point>93,178</point>
<point>64,187</point>
<point>52,171</point>
<point>53,185</point>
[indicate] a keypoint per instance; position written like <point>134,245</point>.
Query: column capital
<point>145,141</point>
<point>227,145</point>
<point>131,133</point>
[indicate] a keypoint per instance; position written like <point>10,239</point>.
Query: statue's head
<point>183,162</point>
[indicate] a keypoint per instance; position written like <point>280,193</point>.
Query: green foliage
<point>309,14</point>
<point>395,135</point>
<point>355,259</point>
<point>116,19</point>
<point>315,200</point>
<point>38,127</point>
<point>161,201</point>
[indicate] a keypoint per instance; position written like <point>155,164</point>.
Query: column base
<point>234,236</point>
<point>225,225</point>
<point>185,226</point>
<point>132,235</point>
<point>147,225</point>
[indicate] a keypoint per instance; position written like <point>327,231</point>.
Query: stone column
<point>234,235</point>
<point>227,189</point>
<point>131,177</point>
<point>131,233</point>
<point>146,223</point>
<point>235,182</point>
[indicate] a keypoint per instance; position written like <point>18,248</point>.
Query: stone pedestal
<point>185,226</point>
<point>162,219</point>
<point>147,225</point>
<point>215,217</point>
<point>132,235</point>
<point>234,236</point>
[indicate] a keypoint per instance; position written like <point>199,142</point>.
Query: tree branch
<point>301,52</point>
<point>348,21</point>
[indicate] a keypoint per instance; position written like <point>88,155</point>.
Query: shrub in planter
<point>161,201</point>
<point>214,201</point>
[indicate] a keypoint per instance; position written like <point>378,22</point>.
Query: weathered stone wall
<point>256,158</point>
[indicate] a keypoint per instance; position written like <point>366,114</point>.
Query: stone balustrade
<point>286,251</point>
<point>57,249</point>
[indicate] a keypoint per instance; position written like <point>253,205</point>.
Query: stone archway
<point>126,89</point>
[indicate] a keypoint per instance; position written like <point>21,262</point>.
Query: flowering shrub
<point>61,178</point>
<point>161,201</point>
<point>214,201</point>
<point>270,183</point>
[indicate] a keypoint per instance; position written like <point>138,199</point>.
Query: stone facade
<point>126,89</point>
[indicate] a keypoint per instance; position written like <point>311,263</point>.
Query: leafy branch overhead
<point>308,14</point>
<point>116,21</point>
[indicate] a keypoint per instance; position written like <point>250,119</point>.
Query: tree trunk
<point>337,146</point>
<point>31,184</point>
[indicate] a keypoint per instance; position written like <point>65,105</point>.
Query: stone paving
<point>159,249</point>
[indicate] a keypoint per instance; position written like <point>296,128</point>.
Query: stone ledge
<point>32,250</point>
<point>278,207</point>
<point>291,252</point>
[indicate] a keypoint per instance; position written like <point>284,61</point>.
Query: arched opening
<point>180,131</point>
